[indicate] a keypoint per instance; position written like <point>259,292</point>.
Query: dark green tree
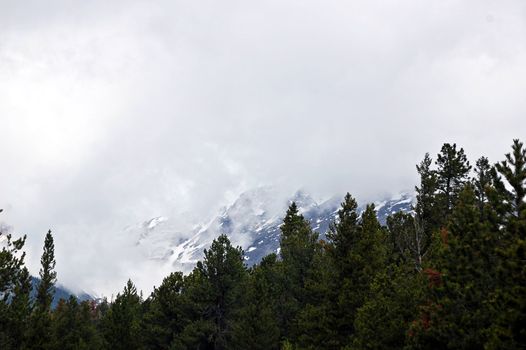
<point>459,311</point>
<point>40,330</point>
<point>384,319</point>
<point>482,181</point>
<point>256,324</point>
<point>48,276</point>
<point>297,246</point>
<point>73,326</point>
<point>121,323</point>
<point>452,174</point>
<point>508,201</point>
<point>20,309</point>
<point>316,320</point>
<point>359,253</point>
<point>427,212</point>
<point>224,273</point>
<point>166,315</point>
<point>12,284</point>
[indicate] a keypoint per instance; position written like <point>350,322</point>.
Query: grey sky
<point>112,112</point>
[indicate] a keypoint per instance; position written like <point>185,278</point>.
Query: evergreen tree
<point>508,200</point>
<point>12,272</point>
<point>426,210</point>
<point>297,247</point>
<point>256,324</point>
<point>459,312</point>
<point>121,324</point>
<point>224,272</point>
<point>40,331</point>
<point>482,181</point>
<point>166,316</point>
<point>316,321</point>
<point>359,254</point>
<point>452,173</point>
<point>20,309</point>
<point>73,326</point>
<point>384,319</point>
<point>48,276</point>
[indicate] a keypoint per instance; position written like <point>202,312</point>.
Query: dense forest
<point>449,275</point>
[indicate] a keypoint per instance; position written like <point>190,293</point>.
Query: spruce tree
<point>121,324</point>
<point>297,247</point>
<point>482,181</point>
<point>359,253</point>
<point>459,313</point>
<point>224,274</point>
<point>426,210</point>
<point>166,316</point>
<point>48,276</point>
<point>385,317</point>
<point>256,324</point>
<point>40,332</point>
<point>12,272</point>
<point>508,200</point>
<point>452,173</point>
<point>21,308</point>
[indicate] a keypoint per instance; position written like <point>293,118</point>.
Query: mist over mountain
<point>252,221</point>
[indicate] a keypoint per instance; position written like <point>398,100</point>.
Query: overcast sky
<point>113,112</point>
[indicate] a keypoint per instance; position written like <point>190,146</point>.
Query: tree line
<point>448,275</point>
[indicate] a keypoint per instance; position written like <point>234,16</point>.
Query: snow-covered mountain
<point>252,222</point>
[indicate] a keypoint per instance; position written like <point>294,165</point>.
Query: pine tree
<point>359,253</point>
<point>256,323</point>
<point>40,332</point>
<point>459,312</point>
<point>510,203</point>
<point>48,276</point>
<point>452,173</point>
<point>297,247</point>
<point>384,319</point>
<point>166,316</point>
<point>12,271</point>
<point>316,320</point>
<point>21,308</point>
<point>426,210</point>
<point>73,326</point>
<point>482,181</point>
<point>508,330</point>
<point>121,324</point>
<point>224,273</point>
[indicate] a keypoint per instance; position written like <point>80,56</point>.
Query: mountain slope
<point>252,222</point>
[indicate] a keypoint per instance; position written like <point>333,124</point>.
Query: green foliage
<point>427,208</point>
<point>73,326</point>
<point>223,272</point>
<point>452,174</point>
<point>121,324</point>
<point>451,275</point>
<point>358,254</point>
<point>40,330</point>
<point>14,292</point>
<point>166,314</point>
<point>297,247</point>
<point>256,323</point>
<point>48,276</point>
<point>384,319</point>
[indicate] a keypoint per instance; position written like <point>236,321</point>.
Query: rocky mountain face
<point>252,222</point>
